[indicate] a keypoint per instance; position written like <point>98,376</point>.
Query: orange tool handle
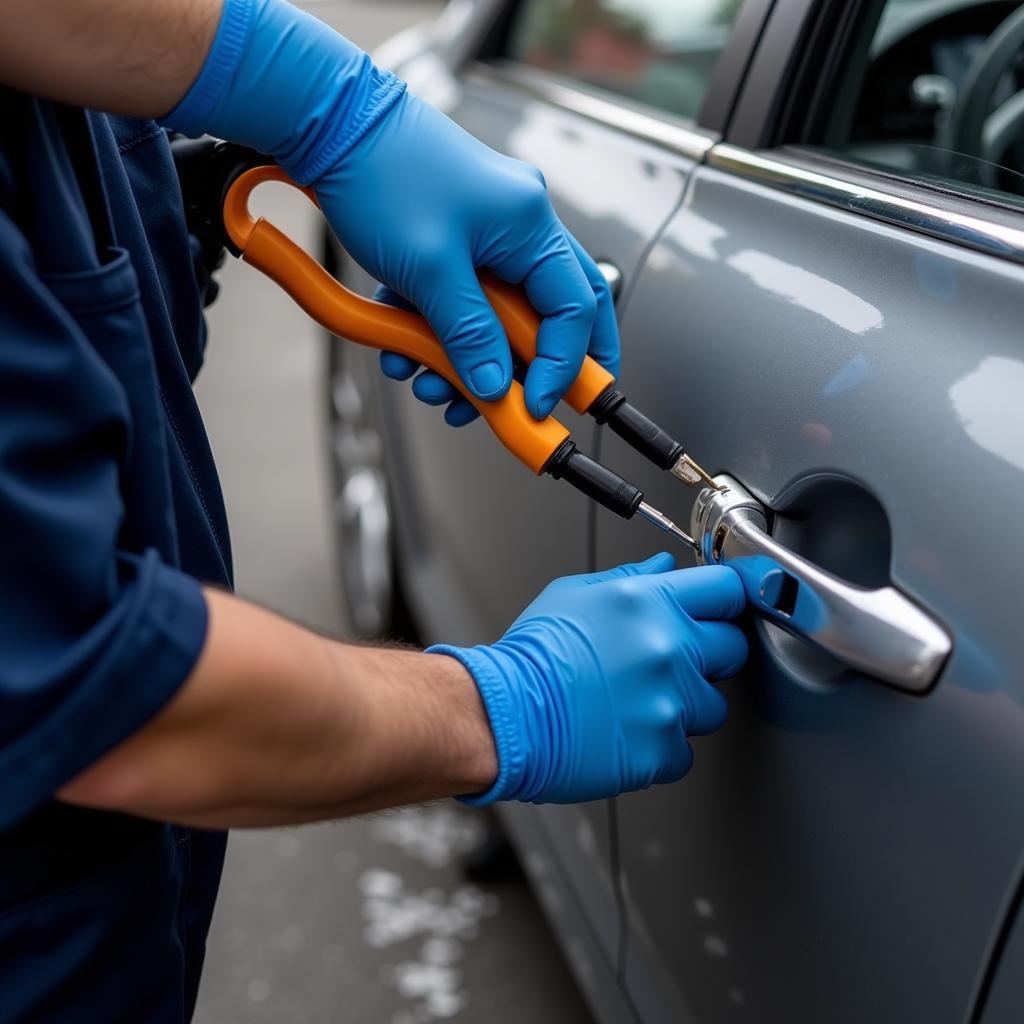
<point>378,325</point>
<point>521,322</point>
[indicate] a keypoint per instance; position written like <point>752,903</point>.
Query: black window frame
<point>789,90</point>
<point>792,74</point>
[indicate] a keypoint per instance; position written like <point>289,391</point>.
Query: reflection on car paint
<point>597,194</point>
<point>818,433</point>
<point>989,404</point>
<point>851,374</point>
<point>715,946</point>
<point>585,839</point>
<point>697,235</point>
<point>807,290</point>
<point>937,275</point>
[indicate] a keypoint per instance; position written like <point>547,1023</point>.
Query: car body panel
<point>466,579</point>
<point>841,851</point>
<point>464,483</point>
<point>591,168</point>
<point>833,834</point>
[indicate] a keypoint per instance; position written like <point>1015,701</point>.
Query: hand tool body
<point>544,446</point>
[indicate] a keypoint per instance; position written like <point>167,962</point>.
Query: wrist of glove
<point>597,686</point>
<point>281,81</point>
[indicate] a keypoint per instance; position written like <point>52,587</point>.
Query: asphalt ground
<point>371,920</point>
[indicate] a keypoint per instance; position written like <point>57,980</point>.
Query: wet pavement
<point>371,920</point>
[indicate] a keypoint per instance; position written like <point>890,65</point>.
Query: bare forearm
<point>121,56</point>
<point>277,725</point>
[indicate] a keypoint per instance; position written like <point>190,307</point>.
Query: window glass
<point>658,52</point>
<point>935,92</point>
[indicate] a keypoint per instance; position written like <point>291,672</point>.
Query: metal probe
<point>609,489</point>
<point>692,474</point>
<point>662,522</point>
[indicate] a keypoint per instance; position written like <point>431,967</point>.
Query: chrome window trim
<point>914,214</point>
<point>687,142</point>
<point>919,215</point>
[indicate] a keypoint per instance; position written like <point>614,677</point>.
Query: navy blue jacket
<point>110,515</point>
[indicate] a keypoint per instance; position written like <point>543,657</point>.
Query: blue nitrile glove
<point>414,199</point>
<point>595,688</point>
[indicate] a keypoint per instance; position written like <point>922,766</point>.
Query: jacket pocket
<point>106,304</point>
<point>95,291</point>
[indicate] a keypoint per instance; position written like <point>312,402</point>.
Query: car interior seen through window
<point>934,92</point>
<point>657,52</point>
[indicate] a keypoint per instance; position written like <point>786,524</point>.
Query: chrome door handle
<point>882,633</point>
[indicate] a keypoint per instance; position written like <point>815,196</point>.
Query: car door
<point>615,163</point>
<point>833,317</point>
<point>602,95</point>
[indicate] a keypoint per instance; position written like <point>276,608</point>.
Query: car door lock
<point>879,632</point>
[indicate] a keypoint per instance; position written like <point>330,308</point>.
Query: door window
<point>658,52</point>
<point>934,91</point>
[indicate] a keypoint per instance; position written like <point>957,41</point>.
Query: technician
<point>135,691</point>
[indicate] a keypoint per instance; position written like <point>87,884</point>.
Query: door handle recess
<point>880,632</point>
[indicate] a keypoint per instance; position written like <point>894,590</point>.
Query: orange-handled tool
<point>521,322</point>
<point>543,445</point>
<point>593,391</point>
<point>375,324</point>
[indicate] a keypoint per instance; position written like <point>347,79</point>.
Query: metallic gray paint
<point>588,169</point>
<point>458,484</point>
<point>840,851</point>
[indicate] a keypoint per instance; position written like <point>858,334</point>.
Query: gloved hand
<point>595,688</point>
<point>414,199</point>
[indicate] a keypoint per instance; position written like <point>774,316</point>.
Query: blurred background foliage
<point>658,53</point>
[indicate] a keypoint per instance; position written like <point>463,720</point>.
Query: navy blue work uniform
<point>110,512</point>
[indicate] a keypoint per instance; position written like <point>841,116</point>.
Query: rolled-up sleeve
<point>94,640</point>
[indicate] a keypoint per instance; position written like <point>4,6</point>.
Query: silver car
<point>811,213</point>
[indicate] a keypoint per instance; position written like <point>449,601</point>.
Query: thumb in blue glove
<point>418,202</point>
<point>595,688</point>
